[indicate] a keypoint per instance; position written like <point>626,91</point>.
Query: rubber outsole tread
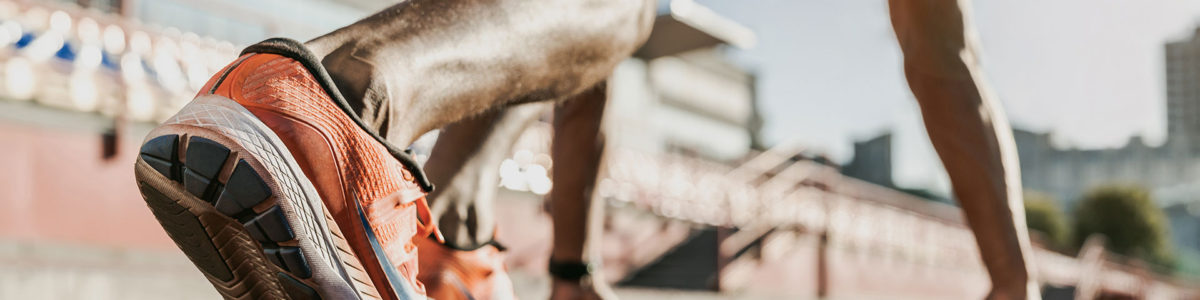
<point>162,154</point>
<point>205,156</point>
<point>201,216</point>
<point>188,232</point>
<point>295,289</point>
<point>270,226</point>
<point>244,190</point>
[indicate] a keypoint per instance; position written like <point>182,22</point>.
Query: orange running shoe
<point>275,189</point>
<point>459,274</point>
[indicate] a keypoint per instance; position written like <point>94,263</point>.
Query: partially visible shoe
<point>453,274</point>
<point>275,189</point>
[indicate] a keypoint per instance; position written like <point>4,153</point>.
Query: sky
<point>1090,72</point>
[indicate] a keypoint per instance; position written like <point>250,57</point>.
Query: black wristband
<point>570,271</point>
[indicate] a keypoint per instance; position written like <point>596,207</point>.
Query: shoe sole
<point>232,197</point>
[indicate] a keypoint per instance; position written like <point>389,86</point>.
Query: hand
<point>589,288</point>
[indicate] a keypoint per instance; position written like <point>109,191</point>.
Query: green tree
<point>1043,216</point>
<point>1127,216</point>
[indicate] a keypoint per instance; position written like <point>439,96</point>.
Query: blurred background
<point>767,149</point>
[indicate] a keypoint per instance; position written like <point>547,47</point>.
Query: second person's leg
<point>971,134</point>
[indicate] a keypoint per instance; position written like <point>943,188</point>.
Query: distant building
<point>872,161</point>
<point>1170,171</point>
<point>680,94</point>
<point>1183,93</point>
<point>1067,174</point>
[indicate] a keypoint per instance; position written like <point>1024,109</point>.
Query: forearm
<point>471,55</point>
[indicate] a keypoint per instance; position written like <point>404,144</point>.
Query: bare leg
<point>423,64</point>
<point>971,135</point>
<point>577,151</point>
<point>464,167</point>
